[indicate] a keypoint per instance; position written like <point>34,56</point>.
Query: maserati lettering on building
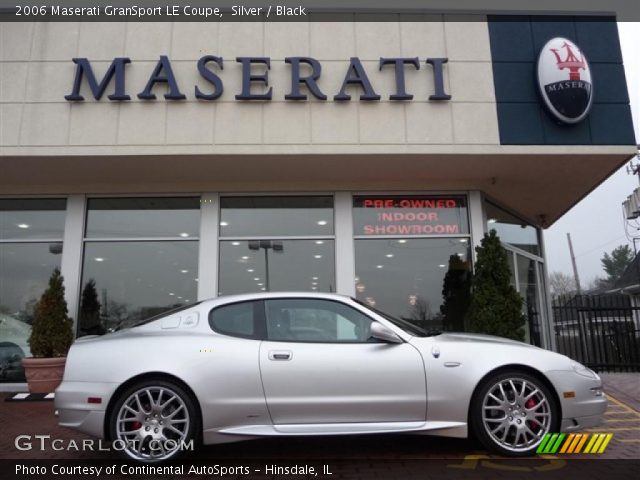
<point>564,80</point>
<point>305,72</point>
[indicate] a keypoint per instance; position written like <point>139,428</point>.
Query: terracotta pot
<point>43,374</point>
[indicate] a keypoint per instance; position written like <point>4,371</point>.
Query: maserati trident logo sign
<point>564,79</point>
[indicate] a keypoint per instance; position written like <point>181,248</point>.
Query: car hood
<point>480,338</point>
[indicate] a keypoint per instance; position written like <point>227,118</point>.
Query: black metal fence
<point>599,331</point>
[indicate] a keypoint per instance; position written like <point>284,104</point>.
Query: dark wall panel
<point>515,43</point>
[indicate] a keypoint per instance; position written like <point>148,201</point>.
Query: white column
<point>345,256</point>
<point>547,321</point>
<point>477,220</point>
<point>208,246</point>
<point>71,265</point>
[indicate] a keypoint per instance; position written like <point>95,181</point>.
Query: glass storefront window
<point>270,259</point>
<point>530,292</point>
<point>26,263</point>
<point>276,216</point>
<point>124,282</point>
<point>32,219</point>
<point>276,265</point>
<point>25,269</point>
<point>133,277</point>
<point>411,277</point>
<point>512,230</point>
<point>512,269</point>
<point>388,215</point>
<point>143,217</point>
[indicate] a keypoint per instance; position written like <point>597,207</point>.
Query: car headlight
<point>584,371</point>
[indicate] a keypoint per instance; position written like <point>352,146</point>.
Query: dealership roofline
<point>531,181</point>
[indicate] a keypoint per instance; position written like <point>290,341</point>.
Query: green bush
<point>496,306</point>
<point>456,295</point>
<point>52,329</point>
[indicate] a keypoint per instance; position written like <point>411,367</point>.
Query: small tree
<point>455,294</point>
<point>90,310</point>
<point>561,284</point>
<point>52,329</point>
<point>616,263</point>
<point>496,307</point>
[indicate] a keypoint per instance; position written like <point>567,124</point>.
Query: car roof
<point>270,295</point>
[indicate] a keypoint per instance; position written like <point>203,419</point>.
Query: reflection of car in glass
<point>291,364</point>
<point>13,348</point>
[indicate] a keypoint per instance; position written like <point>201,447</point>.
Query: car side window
<point>315,320</point>
<point>238,319</point>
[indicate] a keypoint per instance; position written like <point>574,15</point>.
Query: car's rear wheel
<point>153,421</point>
<point>512,411</point>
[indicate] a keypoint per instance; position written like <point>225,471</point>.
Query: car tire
<point>154,421</point>
<point>512,411</point>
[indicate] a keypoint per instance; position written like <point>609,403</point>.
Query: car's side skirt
<point>315,429</point>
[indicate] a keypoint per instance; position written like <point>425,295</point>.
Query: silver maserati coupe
<point>292,364</point>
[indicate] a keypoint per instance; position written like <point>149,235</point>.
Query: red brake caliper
<point>136,425</point>
<point>533,426</point>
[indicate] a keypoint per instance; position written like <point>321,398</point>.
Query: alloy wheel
<point>152,424</point>
<point>516,414</point>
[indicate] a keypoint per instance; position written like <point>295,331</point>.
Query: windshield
<point>156,317</point>
<point>408,327</point>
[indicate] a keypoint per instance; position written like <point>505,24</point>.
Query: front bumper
<point>582,401</point>
<point>580,423</point>
<point>74,411</point>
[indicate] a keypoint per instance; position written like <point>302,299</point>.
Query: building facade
<point>157,164</point>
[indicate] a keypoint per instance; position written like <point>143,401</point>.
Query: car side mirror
<point>383,333</point>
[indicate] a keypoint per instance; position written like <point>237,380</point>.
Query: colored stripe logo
<point>574,443</point>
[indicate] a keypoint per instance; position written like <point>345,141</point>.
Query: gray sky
<point>596,223</point>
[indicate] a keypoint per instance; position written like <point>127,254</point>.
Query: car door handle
<point>280,355</point>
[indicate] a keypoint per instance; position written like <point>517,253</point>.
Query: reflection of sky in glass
<point>405,276</point>
<point>138,279</point>
<point>276,216</point>
<point>32,218</point>
<point>511,229</point>
<point>302,265</point>
<point>25,269</point>
<point>143,217</point>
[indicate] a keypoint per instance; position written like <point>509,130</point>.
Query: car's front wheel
<point>512,411</point>
<point>153,421</point>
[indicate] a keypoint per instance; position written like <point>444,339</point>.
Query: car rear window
<point>237,319</point>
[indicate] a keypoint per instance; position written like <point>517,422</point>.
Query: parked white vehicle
<point>13,348</point>
<point>291,364</point>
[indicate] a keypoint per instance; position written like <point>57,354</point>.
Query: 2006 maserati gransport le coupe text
<point>290,364</point>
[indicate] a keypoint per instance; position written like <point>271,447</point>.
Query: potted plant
<point>50,339</point>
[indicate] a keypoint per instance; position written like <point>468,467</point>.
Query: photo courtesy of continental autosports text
<point>318,239</point>
<point>159,470</point>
